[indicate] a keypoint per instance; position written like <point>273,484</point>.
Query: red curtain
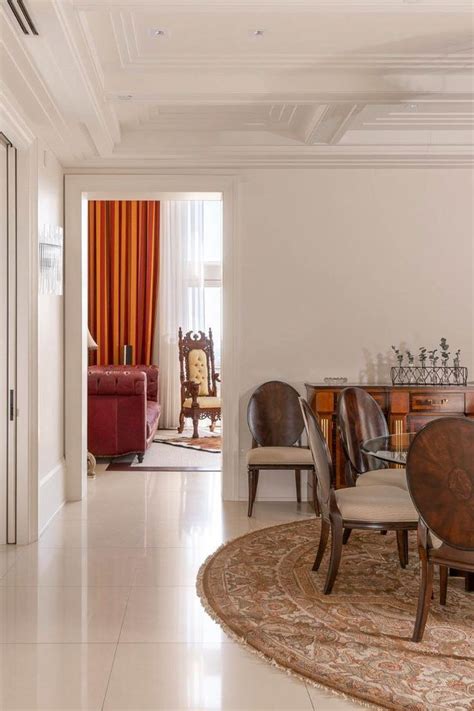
<point>123,278</point>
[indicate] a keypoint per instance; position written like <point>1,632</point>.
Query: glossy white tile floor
<point>102,612</point>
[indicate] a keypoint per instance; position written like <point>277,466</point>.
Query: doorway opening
<point>155,295</point>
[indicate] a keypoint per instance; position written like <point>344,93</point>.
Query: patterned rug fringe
<point>253,650</point>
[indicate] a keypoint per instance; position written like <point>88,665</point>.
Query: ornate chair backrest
<point>274,415</point>
<point>196,360</point>
<point>321,456</point>
<point>359,418</point>
<point>440,475</point>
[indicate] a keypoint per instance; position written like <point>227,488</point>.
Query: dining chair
<point>440,475</point>
<point>373,508</point>
<point>359,418</point>
<point>275,423</point>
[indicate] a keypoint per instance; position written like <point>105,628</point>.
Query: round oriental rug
<point>356,641</point>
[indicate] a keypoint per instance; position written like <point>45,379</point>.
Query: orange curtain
<point>123,278</point>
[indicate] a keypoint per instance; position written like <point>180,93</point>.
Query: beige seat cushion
<point>376,503</point>
<point>384,477</point>
<point>297,456</point>
<point>205,402</point>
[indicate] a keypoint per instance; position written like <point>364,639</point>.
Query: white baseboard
<point>52,494</point>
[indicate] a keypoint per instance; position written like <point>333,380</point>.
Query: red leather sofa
<point>123,409</point>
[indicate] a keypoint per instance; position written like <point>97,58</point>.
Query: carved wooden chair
<point>374,508</point>
<point>440,474</point>
<point>199,398</point>
<point>276,426</point>
<point>359,418</point>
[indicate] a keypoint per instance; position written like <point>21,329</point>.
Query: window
<point>213,273</point>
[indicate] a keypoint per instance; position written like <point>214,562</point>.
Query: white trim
<point>55,484</point>
<point>27,346</point>
<point>80,188</point>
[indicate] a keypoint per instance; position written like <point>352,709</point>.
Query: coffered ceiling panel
<point>236,82</point>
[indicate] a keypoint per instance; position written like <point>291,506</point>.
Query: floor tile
<point>106,532</point>
<point>61,614</point>
<point>169,615</point>
<point>7,558</point>
<point>54,676</point>
<point>165,567</point>
<point>40,566</point>
<point>173,676</point>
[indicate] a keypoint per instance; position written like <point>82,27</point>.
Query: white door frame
<point>83,187</point>
<point>24,141</point>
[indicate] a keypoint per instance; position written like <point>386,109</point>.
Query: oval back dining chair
<point>440,475</point>
<point>376,508</point>
<point>275,423</point>
<point>360,418</point>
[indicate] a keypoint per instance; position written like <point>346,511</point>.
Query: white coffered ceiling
<point>225,83</point>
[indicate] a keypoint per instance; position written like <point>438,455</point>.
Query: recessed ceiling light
<point>412,107</point>
<point>158,33</point>
<point>257,33</point>
<point>124,97</point>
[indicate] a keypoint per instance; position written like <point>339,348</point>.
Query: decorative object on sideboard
<point>51,260</point>
<point>433,374</point>
<point>335,381</point>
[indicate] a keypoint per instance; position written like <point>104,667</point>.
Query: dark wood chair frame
<point>331,517</point>
<point>274,420</point>
<point>440,475</point>
<point>359,418</point>
<point>190,389</point>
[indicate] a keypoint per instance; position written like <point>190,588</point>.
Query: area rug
<point>356,641</point>
<point>211,443</point>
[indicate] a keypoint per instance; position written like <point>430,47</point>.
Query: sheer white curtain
<point>181,293</point>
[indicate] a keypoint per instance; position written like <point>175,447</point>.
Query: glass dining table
<point>393,449</point>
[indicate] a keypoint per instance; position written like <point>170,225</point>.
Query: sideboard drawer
<point>437,402</point>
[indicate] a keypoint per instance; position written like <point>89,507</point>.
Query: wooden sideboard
<point>407,409</point>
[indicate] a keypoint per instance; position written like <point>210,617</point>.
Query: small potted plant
<point>398,355</point>
<point>422,356</point>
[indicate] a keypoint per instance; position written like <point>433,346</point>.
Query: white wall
<point>336,265</point>
<point>51,463</point>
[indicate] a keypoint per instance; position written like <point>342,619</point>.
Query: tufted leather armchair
<point>123,409</point>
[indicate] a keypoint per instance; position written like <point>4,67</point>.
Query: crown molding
<point>230,158</point>
<point>315,6</point>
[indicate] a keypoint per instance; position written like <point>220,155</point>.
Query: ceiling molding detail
<point>104,93</point>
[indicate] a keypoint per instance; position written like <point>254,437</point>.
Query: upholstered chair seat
<point>292,456</point>
<point>207,402</point>
<point>376,503</point>
<point>384,477</point>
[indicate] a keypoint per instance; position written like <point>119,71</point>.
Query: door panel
<point>7,341</point>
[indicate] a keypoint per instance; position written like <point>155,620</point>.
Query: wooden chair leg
<point>253,483</point>
<point>424,599</point>
<point>213,423</point>
<point>443,584</point>
<point>315,495</point>
<point>298,485</point>
<point>323,540</point>
<point>181,422</point>
<point>402,545</point>
<point>336,550</point>
<point>195,424</point>
<point>346,535</point>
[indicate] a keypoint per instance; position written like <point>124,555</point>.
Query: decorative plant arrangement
<point>407,373</point>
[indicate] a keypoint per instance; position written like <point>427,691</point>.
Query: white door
<point>7,341</point>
